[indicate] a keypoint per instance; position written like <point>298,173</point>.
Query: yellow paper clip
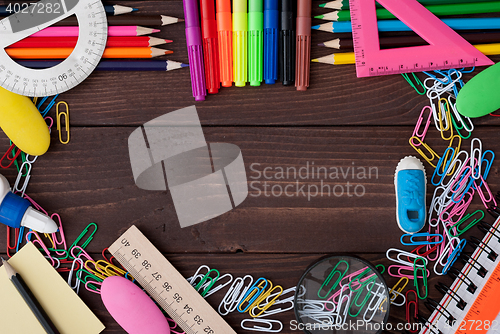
<point>433,156</point>
<point>268,303</point>
<point>457,149</point>
<point>66,121</point>
<point>447,115</point>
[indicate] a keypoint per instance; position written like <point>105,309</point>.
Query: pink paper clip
<point>96,284</point>
<point>41,244</point>
<point>83,252</point>
<point>419,124</point>
<point>488,191</point>
<point>35,204</point>
<point>62,242</point>
<point>51,122</point>
<point>400,268</point>
<point>428,247</point>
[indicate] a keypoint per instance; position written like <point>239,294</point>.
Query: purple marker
<point>195,50</point>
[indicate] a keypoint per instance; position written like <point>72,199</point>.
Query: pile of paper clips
<point>457,176</point>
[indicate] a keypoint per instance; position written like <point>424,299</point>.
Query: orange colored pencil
<point>61,53</point>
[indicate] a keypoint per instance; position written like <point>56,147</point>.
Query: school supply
<point>70,42</point>
<point>471,303</point>
<point>28,297</point>
<point>370,60</point>
<point>303,44</point>
<point>110,9</point>
<point>287,43</point>
<point>255,41</point>
<point>116,65</point>
<point>225,41</point>
<point>129,20</point>
<point>240,43</point>
<point>477,97</point>
<point>344,4</point>
<point>271,26</point>
<point>131,307</point>
<point>114,31</point>
<point>64,308</point>
<point>166,285</point>
<point>210,47</point>
<point>339,292</point>
<point>109,53</point>
<point>438,10</point>
<point>68,74</point>
<point>18,116</point>
<point>60,114</point>
<point>411,187</point>
<point>195,50</point>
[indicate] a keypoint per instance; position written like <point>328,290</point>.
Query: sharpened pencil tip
<point>135,9</point>
<point>321,44</point>
<point>155,30</point>
<point>184,65</point>
<point>322,5</point>
<point>181,20</point>
<point>318,17</point>
<point>314,60</point>
<point>3,260</point>
<point>168,41</point>
<point>315,27</point>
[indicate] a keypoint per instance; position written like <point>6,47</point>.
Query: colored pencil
<point>114,65</point>
<point>438,10</point>
<point>128,20</point>
<point>110,10</point>
<point>344,4</point>
<point>70,42</point>
<point>61,53</point>
<point>29,298</point>
<point>114,31</point>
<point>343,58</point>
<point>405,41</point>
<point>486,23</point>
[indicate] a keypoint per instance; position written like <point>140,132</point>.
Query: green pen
<point>255,41</point>
<point>240,30</point>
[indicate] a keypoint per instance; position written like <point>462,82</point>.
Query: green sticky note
<point>479,96</point>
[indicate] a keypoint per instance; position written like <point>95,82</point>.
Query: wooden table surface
<point>339,122</point>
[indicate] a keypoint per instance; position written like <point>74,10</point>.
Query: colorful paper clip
<point>416,84</point>
<point>423,270</point>
<point>408,310</point>
<point>59,115</point>
<point>334,272</point>
<point>425,235</point>
<point>80,237</point>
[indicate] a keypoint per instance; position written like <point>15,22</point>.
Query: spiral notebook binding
<point>492,255</point>
<point>493,210</point>
<point>487,228</point>
<point>428,325</point>
<point>467,259</point>
<point>455,273</point>
<point>445,290</point>
<point>433,305</point>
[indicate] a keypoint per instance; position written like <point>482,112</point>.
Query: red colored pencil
<point>70,42</point>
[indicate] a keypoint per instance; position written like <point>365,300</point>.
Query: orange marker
<point>61,53</point>
<point>225,31</point>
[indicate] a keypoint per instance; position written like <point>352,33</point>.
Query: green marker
<point>255,41</point>
<point>240,30</point>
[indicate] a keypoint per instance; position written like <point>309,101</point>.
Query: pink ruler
<point>446,48</point>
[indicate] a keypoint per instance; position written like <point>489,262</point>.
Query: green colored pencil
<point>344,4</point>
<point>438,10</point>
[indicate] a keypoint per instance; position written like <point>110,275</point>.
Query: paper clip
<point>400,268</point>
<point>234,295</point>
<point>415,310</point>
<point>81,253</point>
<point>447,118</point>
<point>210,284</point>
<point>12,149</point>
<point>258,325</point>
<point>433,156</point>
<point>76,286</point>
<point>330,276</point>
<point>66,121</point>
<point>280,302</point>
<point>400,288</point>
<point>419,124</point>
<point>253,293</point>
<point>487,167</point>
<point>445,253</point>
<point>360,283</point>
<point>422,269</point>
<point>62,241</point>
<point>197,274</point>
<point>220,286</point>
<point>96,272</point>
<point>425,235</point>
<point>268,303</point>
<point>399,254</point>
<point>475,155</point>
<point>41,244</point>
<point>80,237</point>
<point>452,166</point>
<point>416,84</point>
<point>48,107</point>
<point>354,301</point>
<point>441,165</point>
<point>11,247</point>
<point>375,302</point>
<point>487,190</point>
<point>470,216</point>
<point>454,256</point>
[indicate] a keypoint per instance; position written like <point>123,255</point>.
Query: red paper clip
<point>413,326</point>
<point>16,238</point>
<point>6,155</point>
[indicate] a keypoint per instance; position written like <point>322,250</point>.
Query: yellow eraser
<point>23,124</point>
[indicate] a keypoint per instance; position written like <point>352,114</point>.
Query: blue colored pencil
<point>115,65</point>
<point>110,9</point>
<point>486,23</point>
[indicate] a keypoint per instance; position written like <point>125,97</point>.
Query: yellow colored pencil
<point>62,53</point>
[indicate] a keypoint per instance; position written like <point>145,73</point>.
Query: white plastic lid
<point>38,221</point>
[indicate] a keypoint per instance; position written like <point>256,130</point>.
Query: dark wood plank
<point>90,180</point>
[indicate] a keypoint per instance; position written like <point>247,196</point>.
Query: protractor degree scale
<point>93,32</point>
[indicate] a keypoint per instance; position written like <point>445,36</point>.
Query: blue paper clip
<point>454,256</point>
<point>436,78</point>
<point>486,169</point>
<point>440,163</point>
<point>48,107</point>
<point>253,293</point>
<point>427,235</point>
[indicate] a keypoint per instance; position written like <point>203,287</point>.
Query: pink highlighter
<point>132,308</point>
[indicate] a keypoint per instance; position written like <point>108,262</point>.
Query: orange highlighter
<point>210,48</point>
<point>225,34</point>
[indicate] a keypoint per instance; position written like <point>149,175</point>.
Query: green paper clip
<point>369,294</point>
<point>212,282</point>
<point>381,266</point>
<point>330,276</point>
<point>464,220</point>
<point>423,269</point>
<point>414,85</point>
<point>80,237</point>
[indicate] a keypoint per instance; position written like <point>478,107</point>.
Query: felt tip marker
<point>225,41</point>
<point>287,43</point>
<point>195,49</point>
<point>210,48</point>
<point>255,41</point>
<point>271,26</point>
<point>303,43</point>
<point>240,30</point>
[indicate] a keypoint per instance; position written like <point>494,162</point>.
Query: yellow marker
<point>23,123</point>
<point>240,48</point>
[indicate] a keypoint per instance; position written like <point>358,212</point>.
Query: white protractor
<point>92,37</point>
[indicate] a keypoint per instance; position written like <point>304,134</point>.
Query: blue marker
<point>271,21</point>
